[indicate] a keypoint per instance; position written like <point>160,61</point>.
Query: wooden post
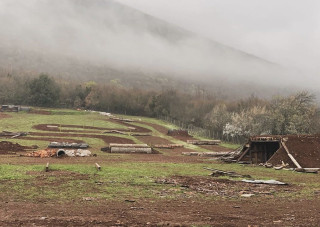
<point>98,167</point>
<point>290,156</point>
<point>47,167</point>
<point>243,154</point>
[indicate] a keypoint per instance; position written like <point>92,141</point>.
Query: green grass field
<point>123,175</point>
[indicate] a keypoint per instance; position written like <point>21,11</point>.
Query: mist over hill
<point>104,40</point>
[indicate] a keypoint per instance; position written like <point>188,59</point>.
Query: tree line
<point>294,114</point>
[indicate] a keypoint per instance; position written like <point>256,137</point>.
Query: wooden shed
<point>299,151</point>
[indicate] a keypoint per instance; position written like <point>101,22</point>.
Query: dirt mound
<point>178,132</point>
<point>137,128</point>
<point>304,148</point>
<point>151,140</point>
<point>159,128</point>
<point>222,187</point>
<point>9,148</point>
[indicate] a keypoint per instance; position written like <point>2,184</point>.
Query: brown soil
<point>183,138</point>
<point>215,148</point>
<point>186,212</point>
<point>10,148</point>
<point>305,149</point>
<point>152,140</point>
<point>137,128</point>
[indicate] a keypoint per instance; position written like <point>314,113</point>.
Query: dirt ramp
<point>7,147</point>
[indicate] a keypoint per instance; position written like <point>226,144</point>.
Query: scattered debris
<point>218,186</point>
<point>74,153</point>
<point>12,134</point>
<point>307,170</point>
<point>264,182</point>
<point>204,142</point>
<point>247,195</point>
<point>219,173</point>
<point>283,165</point>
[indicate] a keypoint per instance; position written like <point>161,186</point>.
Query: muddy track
<point>137,128</point>
<point>106,139</point>
<point>51,139</point>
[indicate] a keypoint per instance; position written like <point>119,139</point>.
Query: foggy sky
<point>40,34</point>
<point>283,31</point>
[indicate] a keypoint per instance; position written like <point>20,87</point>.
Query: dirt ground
<point>220,202</point>
<point>244,212</point>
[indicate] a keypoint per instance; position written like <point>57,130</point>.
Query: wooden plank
<point>290,156</point>
<point>47,167</point>
<point>243,154</point>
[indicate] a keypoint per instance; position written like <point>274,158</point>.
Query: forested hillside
<point>222,117</point>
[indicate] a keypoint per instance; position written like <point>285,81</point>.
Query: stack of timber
<point>68,145</point>
<point>128,148</point>
<point>206,154</point>
<point>204,142</point>
<point>168,146</point>
<point>116,132</point>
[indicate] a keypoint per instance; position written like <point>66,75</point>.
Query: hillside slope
<point>104,40</point>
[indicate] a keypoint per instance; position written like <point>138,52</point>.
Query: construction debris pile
<point>128,148</point>
<point>56,149</point>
